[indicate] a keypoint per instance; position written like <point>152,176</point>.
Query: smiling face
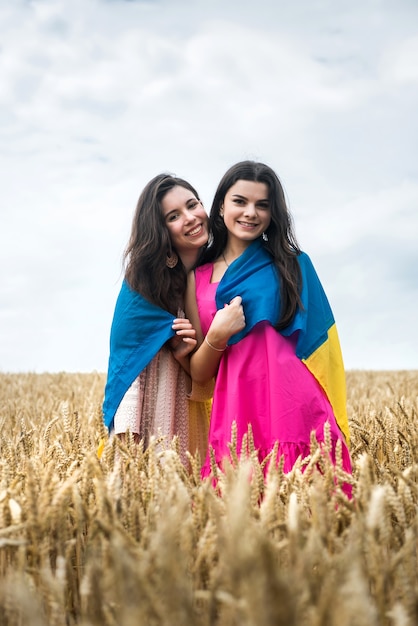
<point>186,220</point>
<point>246,211</point>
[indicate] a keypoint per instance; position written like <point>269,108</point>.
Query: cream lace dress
<point>159,403</point>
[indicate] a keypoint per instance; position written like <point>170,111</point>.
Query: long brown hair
<point>280,237</point>
<point>150,245</point>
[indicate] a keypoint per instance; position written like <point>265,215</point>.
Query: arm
<point>204,361</point>
<point>183,342</point>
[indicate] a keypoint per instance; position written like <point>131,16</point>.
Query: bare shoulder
<point>191,278</point>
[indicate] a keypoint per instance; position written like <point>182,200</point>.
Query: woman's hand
<point>227,322</point>
<point>185,339</point>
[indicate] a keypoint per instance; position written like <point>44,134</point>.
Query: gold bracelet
<point>213,347</point>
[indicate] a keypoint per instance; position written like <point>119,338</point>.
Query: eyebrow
<point>238,195</point>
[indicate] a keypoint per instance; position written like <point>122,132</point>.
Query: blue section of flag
<point>139,330</point>
<point>253,276</point>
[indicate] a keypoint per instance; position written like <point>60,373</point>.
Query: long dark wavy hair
<point>281,239</point>
<point>149,245</point>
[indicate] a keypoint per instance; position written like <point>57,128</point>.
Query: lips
<point>247,224</point>
<point>195,231</point>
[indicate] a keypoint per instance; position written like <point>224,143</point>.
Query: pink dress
<point>262,382</point>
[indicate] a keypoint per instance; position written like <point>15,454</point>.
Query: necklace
<point>226,262</point>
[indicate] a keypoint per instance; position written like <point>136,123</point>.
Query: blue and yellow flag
<point>253,276</point>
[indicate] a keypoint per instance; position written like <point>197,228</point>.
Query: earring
<point>265,238</point>
<point>221,211</point>
<point>172,260</point>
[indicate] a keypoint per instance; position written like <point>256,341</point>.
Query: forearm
<point>205,361</point>
<point>184,361</point>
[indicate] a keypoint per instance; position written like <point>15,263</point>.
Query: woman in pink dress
<point>265,329</point>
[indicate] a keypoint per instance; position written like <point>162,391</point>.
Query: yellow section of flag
<point>326,364</point>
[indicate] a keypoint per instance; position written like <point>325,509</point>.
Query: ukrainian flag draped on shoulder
<point>139,330</point>
<point>253,276</point>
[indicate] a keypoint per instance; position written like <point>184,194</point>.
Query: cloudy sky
<point>98,96</point>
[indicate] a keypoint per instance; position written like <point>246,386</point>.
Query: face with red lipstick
<point>246,211</point>
<point>185,218</point>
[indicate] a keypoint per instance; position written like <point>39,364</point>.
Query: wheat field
<point>134,538</point>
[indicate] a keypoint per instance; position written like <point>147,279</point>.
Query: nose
<point>189,215</point>
<point>250,210</point>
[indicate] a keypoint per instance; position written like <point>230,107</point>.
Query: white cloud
<point>399,64</point>
<point>99,96</point>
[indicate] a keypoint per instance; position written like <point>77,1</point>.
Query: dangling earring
<point>265,238</point>
<point>172,260</point>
